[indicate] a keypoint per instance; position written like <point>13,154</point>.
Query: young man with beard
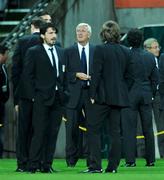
<point>44,76</point>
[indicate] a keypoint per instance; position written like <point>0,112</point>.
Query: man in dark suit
<point>45,16</point>
<point>152,45</point>
<point>79,67</point>
<point>43,77</point>
<point>23,105</point>
<point>4,92</point>
<point>161,92</point>
<point>141,92</point>
<point>109,94</point>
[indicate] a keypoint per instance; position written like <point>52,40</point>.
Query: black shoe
<point>53,170</point>
<point>48,170</point>
<point>32,170</point>
<point>21,169</point>
<point>71,165</point>
<point>129,165</point>
<point>150,164</point>
<point>71,162</point>
<point>92,171</point>
<point>110,171</point>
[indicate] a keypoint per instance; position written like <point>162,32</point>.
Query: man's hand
<point>92,101</point>
<point>83,76</point>
<point>16,108</point>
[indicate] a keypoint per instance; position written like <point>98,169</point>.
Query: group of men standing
<point>107,82</point>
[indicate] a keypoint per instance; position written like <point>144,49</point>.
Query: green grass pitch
<point>140,172</point>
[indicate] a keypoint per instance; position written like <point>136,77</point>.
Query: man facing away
<point>45,16</point>
<point>109,94</point>
<point>23,105</point>
<point>141,91</point>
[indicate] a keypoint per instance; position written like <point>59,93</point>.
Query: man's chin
<point>51,44</point>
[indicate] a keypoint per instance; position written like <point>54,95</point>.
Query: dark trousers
<point>73,134</point>
<point>129,131</point>
<point>98,114</point>
<point>160,128</point>
<point>46,123</point>
<point>1,141</point>
<point>24,132</point>
<point>2,116</point>
<point>159,121</point>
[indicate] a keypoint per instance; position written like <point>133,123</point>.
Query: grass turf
<point>140,172</point>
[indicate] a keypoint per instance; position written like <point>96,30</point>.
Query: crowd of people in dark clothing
<point>107,83</point>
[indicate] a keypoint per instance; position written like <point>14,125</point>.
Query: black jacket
<point>73,65</point>
<point>18,61</point>
<point>110,70</point>
<point>145,76</point>
<point>39,79</point>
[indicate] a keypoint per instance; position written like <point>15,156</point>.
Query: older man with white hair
<point>79,61</point>
<point>152,45</point>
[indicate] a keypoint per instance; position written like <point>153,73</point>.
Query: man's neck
<point>83,43</point>
<point>35,31</point>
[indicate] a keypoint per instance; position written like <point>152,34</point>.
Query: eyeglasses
<point>155,47</point>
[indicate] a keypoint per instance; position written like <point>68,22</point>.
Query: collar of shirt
<point>80,47</point>
<point>47,47</point>
<point>4,72</point>
<point>156,61</point>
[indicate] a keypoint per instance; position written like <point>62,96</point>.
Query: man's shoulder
<point>161,56</point>
<point>36,48</point>
<point>29,37</point>
<point>74,46</point>
<point>71,49</point>
<point>59,47</point>
<point>92,46</point>
<point>125,48</point>
<point>24,38</point>
<point>148,55</point>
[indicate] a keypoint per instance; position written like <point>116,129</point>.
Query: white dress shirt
<point>47,47</point>
<point>80,47</point>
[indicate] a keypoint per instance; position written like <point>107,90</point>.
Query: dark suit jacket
<point>18,61</point>
<point>161,73</point>
<point>73,66</point>
<point>39,78</point>
<point>145,76</point>
<point>110,66</point>
<point>161,79</point>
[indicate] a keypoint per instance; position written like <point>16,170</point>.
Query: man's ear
<point>42,36</point>
<point>1,57</point>
<point>89,35</point>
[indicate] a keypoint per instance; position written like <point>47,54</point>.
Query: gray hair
<point>148,42</point>
<point>85,24</point>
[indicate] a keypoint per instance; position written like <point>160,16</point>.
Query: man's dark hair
<point>3,49</point>
<point>110,32</point>
<point>42,13</point>
<point>37,22</point>
<point>45,26</point>
<point>135,37</point>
